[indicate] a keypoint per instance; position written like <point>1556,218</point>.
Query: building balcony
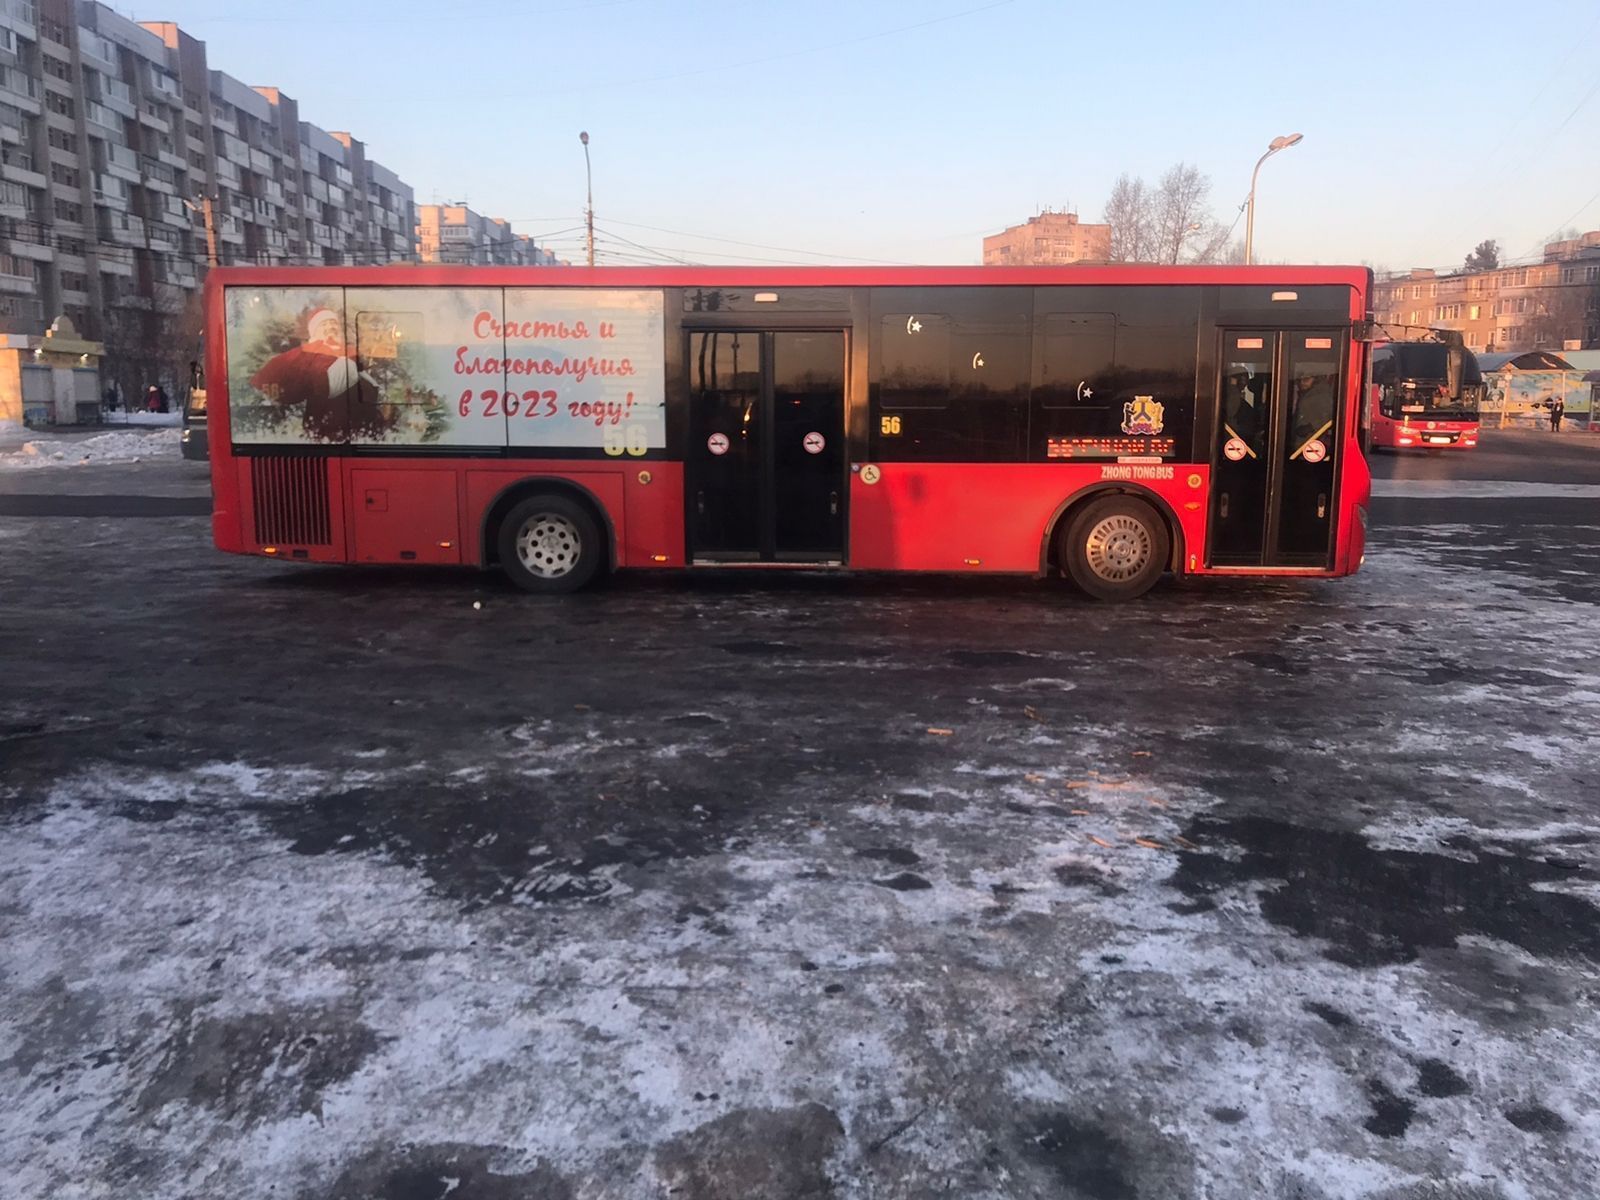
<point>19,89</point>
<point>11,125</point>
<point>159,177</point>
<point>102,52</point>
<point>118,97</point>
<point>121,162</point>
<point>13,199</point>
<point>99,114</point>
<point>19,168</point>
<point>115,264</point>
<point>11,281</point>
<point>172,159</point>
<point>20,15</point>
<point>162,237</point>
<point>108,189</point>
<point>151,116</point>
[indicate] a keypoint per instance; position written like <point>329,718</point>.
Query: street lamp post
<point>1277,143</point>
<point>589,182</point>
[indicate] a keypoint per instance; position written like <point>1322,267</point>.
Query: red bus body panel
<point>947,517</point>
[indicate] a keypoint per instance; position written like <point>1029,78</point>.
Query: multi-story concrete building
<point>1051,239</point>
<point>453,233</point>
<point>111,134</point>
<point>1551,305</point>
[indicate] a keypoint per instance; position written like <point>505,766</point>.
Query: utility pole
<point>204,209</point>
<point>589,180</point>
<point>211,231</point>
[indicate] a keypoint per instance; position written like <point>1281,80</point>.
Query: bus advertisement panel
<point>1104,424</point>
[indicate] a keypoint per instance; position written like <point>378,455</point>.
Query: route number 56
<point>889,426</point>
<point>627,439</point>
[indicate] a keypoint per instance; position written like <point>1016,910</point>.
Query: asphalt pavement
<point>336,882</point>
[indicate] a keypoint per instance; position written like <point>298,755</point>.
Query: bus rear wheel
<point>1115,548</point>
<point>550,544</point>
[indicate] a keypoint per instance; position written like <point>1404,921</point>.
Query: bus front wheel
<point>1115,548</point>
<point>550,544</point>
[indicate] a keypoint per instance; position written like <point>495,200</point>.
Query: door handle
<point>700,503</point>
<point>1222,506</point>
<point>1322,505</point>
<point>833,504</point>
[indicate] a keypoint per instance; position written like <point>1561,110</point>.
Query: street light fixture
<point>589,182</point>
<point>1277,143</point>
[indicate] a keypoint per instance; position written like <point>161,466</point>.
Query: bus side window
<point>914,361</point>
<point>1078,355</point>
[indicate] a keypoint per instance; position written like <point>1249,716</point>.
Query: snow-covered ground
<point>25,449</point>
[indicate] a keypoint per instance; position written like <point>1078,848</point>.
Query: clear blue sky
<point>903,131</point>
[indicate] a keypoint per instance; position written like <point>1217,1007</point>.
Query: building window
<point>66,211</point>
<point>62,140</point>
<point>57,69</point>
<point>59,104</point>
<point>66,176</point>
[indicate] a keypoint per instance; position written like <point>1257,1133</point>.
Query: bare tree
<point>1181,215</point>
<point>1128,212</point>
<point>1168,223</point>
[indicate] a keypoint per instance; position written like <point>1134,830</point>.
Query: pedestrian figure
<point>1558,405</point>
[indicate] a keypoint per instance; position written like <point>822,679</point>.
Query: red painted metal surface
<point>918,516</point>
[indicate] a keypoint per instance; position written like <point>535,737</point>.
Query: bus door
<point>766,461</point>
<point>1274,448</point>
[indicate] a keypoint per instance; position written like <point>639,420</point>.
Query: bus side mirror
<point>1455,367</point>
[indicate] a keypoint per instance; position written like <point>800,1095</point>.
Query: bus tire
<point>550,544</point>
<point>1114,548</point>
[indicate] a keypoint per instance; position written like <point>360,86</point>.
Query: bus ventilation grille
<point>291,501</point>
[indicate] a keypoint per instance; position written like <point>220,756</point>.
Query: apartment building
<point>111,131</point>
<point>1550,305</point>
<point>1050,239</point>
<point>453,233</point>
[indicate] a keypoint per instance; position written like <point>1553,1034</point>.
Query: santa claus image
<point>337,401</point>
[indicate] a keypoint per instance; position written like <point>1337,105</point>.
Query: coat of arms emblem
<point>1142,414</point>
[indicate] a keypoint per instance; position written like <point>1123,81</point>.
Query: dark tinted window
<point>950,370</point>
<point>914,361</point>
<point>1114,373</point>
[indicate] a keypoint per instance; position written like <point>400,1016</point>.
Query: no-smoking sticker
<point>813,442</point>
<point>1235,449</point>
<point>717,443</point>
<point>1315,451</point>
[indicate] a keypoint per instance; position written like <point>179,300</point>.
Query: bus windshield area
<point>1430,399</point>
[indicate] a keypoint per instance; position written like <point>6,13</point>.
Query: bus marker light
<point>445,545</point>
<point>1194,560</point>
<point>973,562</point>
<point>658,558</point>
<point>644,477</point>
<point>1194,481</point>
<point>269,549</point>
<point>1277,296</point>
<point>1192,505</point>
<point>766,297</point>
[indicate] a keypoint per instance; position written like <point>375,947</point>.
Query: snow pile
<point>45,450</point>
<point>123,417</point>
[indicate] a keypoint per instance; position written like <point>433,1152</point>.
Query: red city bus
<point>1105,424</point>
<point>1425,396</point>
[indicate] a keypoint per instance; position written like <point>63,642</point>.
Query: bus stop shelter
<point>1520,386</point>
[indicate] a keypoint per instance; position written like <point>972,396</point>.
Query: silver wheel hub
<point>548,545</point>
<point>1118,548</point>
